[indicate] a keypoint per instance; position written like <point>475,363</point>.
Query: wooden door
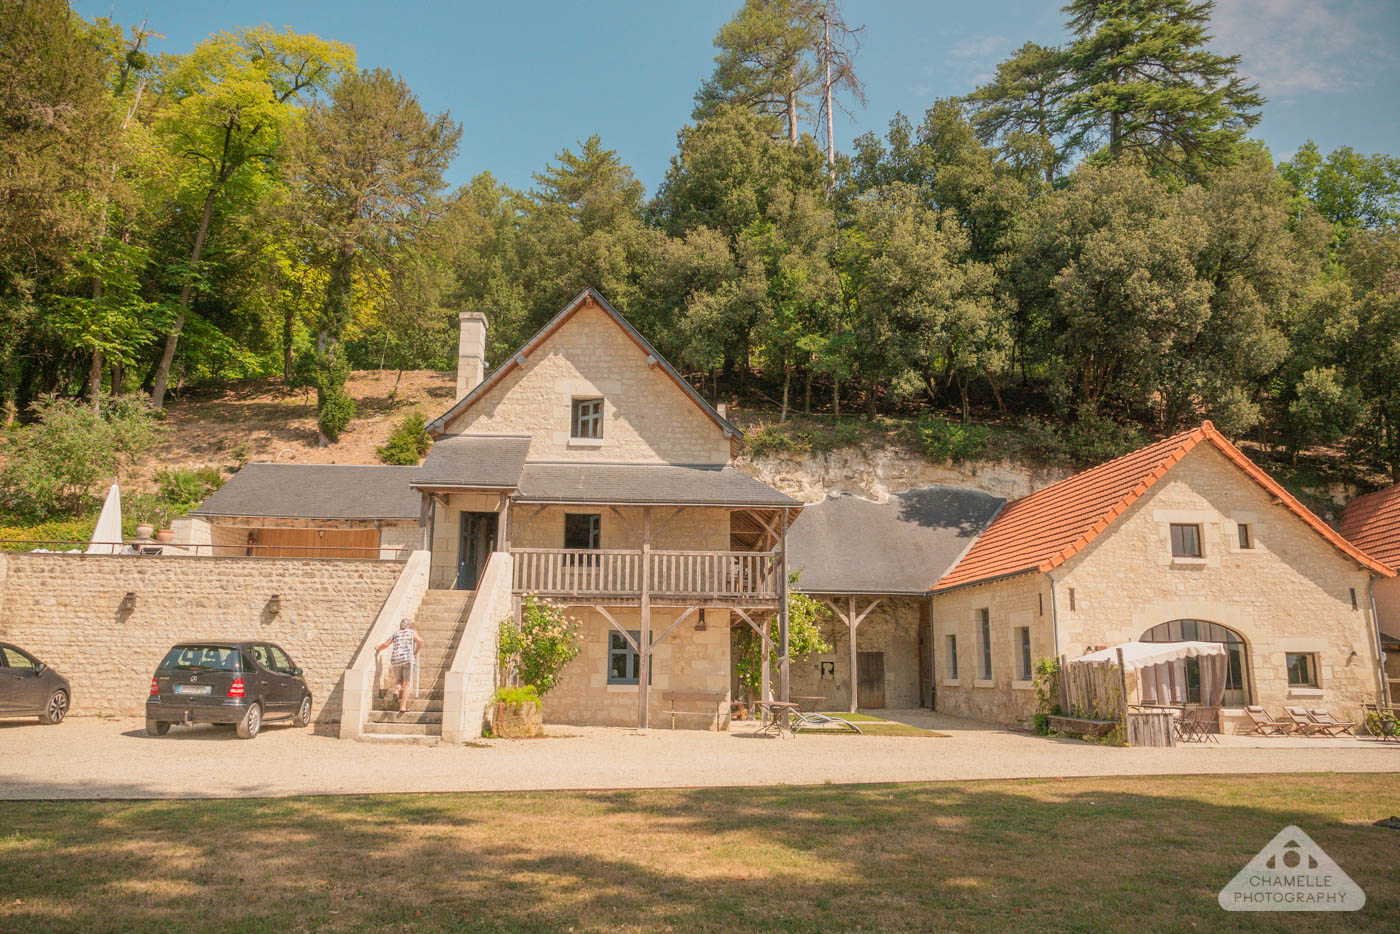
<point>870,679</point>
<point>315,543</point>
<point>476,542</point>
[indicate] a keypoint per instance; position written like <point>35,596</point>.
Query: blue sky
<point>530,77</point>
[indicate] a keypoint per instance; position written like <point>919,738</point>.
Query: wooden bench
<point>711,698</point>
<point>1082,726</point>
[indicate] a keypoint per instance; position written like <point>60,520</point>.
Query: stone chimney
<point>471,351</point>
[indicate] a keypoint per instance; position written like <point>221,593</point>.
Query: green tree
<point>225,108</point>
<point>369,168</point>
<point>1349,189</point>
<point>1142,84</point>
<point>1019,109</point>
<point>54,464</point>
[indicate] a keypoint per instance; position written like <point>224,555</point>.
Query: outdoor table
<point>774,716</point>
<point>813,702</point>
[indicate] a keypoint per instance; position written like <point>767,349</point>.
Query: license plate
<point>192,689</point>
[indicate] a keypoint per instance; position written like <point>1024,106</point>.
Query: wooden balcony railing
<point>582,572</point>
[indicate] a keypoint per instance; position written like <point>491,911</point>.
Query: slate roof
<point>642,484</point>
<point>491,462</point>
<point>1042,531</point>
<point>439,425</point>
<point>1372,523</point>
<point>316,491</point>
<point>846,544</point>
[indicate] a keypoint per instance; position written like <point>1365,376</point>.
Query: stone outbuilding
<point>1183,540</point>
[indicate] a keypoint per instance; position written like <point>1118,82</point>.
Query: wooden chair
<point>1264,725</point>
<point>1198,725</point>
<point>1303,723</point>
<point>1330,724</point>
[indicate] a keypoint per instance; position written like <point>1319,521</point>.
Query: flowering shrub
<point>536,651</point>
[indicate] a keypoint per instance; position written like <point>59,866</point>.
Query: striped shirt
<point>401,653</point>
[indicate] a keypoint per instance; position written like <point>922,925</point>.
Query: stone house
<point>1185,539</point>
<point>1372,523</point>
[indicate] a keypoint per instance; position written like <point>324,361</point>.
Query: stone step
<point>399,739</point>
<point>447,597</point>
<point>415,704</point>
<point>404,729</point>
<point>409,716</point>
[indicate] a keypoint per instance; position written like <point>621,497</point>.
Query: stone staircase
<point>440,620</point>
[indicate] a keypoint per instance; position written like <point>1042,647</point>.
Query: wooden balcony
<point>739,578</point>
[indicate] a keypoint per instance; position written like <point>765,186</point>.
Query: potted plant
<point>144,531</point>
<point>532,654</point>
<point>517,713</point>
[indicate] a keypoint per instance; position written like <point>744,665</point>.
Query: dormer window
<point>587,421</point>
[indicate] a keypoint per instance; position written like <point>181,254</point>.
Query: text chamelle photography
<point>758,465</point>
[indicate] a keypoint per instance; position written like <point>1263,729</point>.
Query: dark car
<point>238,683</point>
<point>29,688</point>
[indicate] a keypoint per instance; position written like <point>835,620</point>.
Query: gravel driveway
<point>101,758</point>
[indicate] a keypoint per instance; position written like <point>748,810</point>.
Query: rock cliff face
<point>875,473</point>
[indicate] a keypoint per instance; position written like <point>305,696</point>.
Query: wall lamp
<point>128,602</point>
<point>274,604</point>
<point>700,625</point>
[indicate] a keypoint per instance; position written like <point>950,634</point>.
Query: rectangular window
<point>587,421</point>
<point>953,658</point>
<point>1246,536</point>
<point>1023,642</point>
<point>582,530</point>
<point>1186,541</point>
<point>1302,669</point>
<point>624,664</point>
<point>985,637</point>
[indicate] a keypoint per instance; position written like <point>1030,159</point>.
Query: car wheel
<point>157,727</point>
<point>303,717</point>
<point>57,708</point>
<point>250,724</point>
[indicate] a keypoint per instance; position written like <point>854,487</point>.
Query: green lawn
<point>1140,854</point>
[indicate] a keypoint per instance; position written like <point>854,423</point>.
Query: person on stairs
<point>407,644</point>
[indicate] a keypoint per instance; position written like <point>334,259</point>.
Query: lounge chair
<point>1265,725</point>
<point>1331,724</point>
<point>1303,722</point>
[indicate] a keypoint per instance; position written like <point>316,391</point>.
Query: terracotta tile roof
<point>1372,523</point>
<point>1047,528</point>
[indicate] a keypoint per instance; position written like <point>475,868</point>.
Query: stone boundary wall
<point>472,678</point>
<point>66,608</point>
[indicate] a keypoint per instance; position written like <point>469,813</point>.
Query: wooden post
<point>1123,688</point>
<point>851,626</point>
<point>644,636</point>
<point>784,666</point>
<point>503,532</point>
<point>1064,688</point>
<point>423,515</point>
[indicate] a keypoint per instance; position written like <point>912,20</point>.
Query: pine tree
<point>1019,109</point>
<point>1142,84</point>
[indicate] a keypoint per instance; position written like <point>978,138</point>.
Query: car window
<point>280,661</point>
<point>201,658</point>
<point>263,659</point>
<point>248,663</point>
<point>17,659</point>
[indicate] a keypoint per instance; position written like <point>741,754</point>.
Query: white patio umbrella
<point>108,534</point>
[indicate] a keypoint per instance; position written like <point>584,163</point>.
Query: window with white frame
<point>587,420</point>
<point>1246,536</point>
<point>1023,645</point>
<point>984,639</point>
<point>953,658</point>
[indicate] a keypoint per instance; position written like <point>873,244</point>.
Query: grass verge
<point>1106,854</point>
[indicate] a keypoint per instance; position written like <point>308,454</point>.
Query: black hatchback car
<point>238,683</point>
<point>29,688</point>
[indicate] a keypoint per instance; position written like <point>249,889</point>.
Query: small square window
<point>1186,541</point>
<point>624,664</point>
<point>587,420</point>
<point>953,657</point>
<point>1302,669</point>
<point>1023,642</point>
<point>1246,536</point>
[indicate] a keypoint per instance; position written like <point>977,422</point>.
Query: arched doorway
<point>1199,630</point>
